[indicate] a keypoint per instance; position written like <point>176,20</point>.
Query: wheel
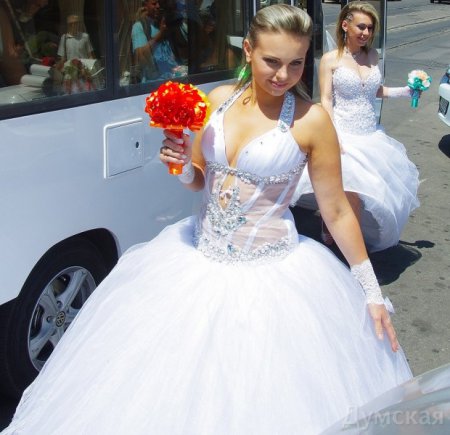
<point>32,324</point>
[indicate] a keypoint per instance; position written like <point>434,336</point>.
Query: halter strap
<point>287,109</point>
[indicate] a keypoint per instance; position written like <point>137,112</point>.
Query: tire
<point>32,324</point>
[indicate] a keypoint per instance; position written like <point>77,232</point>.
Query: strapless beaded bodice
<point>245,215</point>
<point>354,100</point>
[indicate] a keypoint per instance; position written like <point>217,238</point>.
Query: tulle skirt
<point>376,167</point>
<point>174,343</point>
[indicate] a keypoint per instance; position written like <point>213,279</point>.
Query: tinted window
<point>167,39</point>
<point>50,48</point>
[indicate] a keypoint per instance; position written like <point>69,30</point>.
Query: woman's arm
<point>396,92</point>
<point>183,151</point>
<point>324,167</point>
<point>326,82</point>
<point>317,134</point>
<point>386,91</point>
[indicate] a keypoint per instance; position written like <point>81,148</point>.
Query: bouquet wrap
<point>418,81</point>
<point>176,106</point>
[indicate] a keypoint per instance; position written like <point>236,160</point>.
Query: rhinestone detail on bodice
<point>245,214</point>
<point>249,178</point>
<point>354,100</point>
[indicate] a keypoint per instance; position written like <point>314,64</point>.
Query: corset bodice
<point>245,213</point>
<point>354,100</point>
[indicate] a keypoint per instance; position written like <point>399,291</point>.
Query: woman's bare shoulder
<point>310,114</point>
<point>311,121</point>
<point>330,59</point>
<point>218,95</point>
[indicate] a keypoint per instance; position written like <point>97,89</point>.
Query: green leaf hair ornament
<point>244,73</point>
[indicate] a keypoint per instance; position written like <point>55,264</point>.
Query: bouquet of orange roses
<point>176,106</point>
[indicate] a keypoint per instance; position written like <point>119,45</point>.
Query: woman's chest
<point>264,153</point>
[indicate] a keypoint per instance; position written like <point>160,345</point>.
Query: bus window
<point>50,48</point>
<point>167,39</point>
<point>264,3</point>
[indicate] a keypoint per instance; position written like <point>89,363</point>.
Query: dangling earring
<point>345,37</point>
<point>244,73</point>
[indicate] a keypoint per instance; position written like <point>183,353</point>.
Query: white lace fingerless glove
<point>188,174</point>
<point>365,275</point>
<point>404,91</point>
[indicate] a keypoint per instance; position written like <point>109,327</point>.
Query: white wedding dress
<point>374,165</point>
<point>226,323</point>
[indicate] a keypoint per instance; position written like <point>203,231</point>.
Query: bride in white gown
<point>229,322</point>
<point>380,181</point>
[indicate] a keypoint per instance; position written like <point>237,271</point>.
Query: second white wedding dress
<point>374,165</point>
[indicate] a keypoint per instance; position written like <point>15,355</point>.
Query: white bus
<point>80,178</point>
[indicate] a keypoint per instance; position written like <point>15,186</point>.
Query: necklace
<point>354,55</point>
<point>358,70</point>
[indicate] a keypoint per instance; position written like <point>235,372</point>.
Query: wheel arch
<point>104,242</point>
<point>102,239</point>
<point>100,243</point>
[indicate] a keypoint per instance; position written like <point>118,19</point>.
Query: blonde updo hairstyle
<point>279,18</point>
<point>347,15</point>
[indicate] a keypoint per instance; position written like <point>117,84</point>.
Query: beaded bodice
<point>245,214</point>
<point>354,100</point>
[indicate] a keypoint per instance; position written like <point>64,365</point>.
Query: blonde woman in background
<point>380,181</point>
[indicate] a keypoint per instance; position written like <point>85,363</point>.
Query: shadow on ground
<point>388,264</point>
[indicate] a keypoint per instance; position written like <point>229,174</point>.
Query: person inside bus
<point>229,322</point>
<point>151,47</point>
<point>75,69</point>
<point>380,181</point>
<point>75,43</point>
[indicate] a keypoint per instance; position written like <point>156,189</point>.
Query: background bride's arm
<point>326,83</point>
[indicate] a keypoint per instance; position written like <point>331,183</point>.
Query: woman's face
<point>359,30</point>
<point>277,60</point>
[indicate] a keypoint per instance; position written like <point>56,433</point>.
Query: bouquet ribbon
<point>176,106</point>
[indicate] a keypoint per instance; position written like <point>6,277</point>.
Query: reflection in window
<point>264,3</point>
<point>166,39</point>
<point>50,48</point>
